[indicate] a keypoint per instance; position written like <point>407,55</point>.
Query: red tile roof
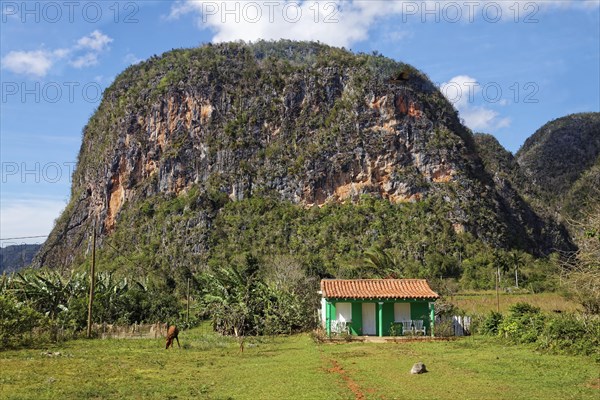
<point>377,288</point>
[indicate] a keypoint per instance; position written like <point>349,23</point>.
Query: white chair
<point>336,326</point>
<point>407,327</point>
<point>340,327</point>
<point>419,326</point>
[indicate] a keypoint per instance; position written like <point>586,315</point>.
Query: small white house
<point>378,307</point>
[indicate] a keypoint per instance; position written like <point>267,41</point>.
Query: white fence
<point>459,325</point>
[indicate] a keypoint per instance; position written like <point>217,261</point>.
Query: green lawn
<point>211,367</point>
<point>484,301</point>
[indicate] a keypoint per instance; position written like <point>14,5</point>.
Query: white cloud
<point>96,41</point>
<point>60,53</point>
<point>460,90</point>
<point>38,63</point>
<point>28,217</point>
<point>180,8</point>
<point>339,23</point>
<point>86,60</point>
<point>483,119</point>
<point>463,91</point>
<point>342,23</point>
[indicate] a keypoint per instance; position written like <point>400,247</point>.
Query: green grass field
<point>481,302</point>
<point>212,367</point>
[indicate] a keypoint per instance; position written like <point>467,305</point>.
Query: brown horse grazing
<point>172,333</point>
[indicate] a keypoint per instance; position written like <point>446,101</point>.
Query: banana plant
<point>48,292</point>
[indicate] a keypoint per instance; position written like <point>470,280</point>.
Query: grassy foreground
<point>212,367</point>
<point>484,301</point>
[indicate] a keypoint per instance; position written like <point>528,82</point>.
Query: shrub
<point>244,299</point>
<point>559,333</point>
<point>443,308</point>
<point>521,309</point>
<point>395,329</point>
<point>523,325</point>
<point>318,335</point>
<point>489,325</point>
<point>16,320</point>
<point>444,328</point>
<point>571,333</point>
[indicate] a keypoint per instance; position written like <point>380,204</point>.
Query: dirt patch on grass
<point>594,384</point>
<point>353,354</point>
<point>352,385</point>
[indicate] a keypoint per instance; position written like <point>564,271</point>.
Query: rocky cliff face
<point>300,122</point>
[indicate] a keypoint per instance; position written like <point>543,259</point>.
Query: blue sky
<point>508,66</point>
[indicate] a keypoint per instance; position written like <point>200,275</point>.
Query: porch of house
<point>378,318</point>
<point>391,339</point>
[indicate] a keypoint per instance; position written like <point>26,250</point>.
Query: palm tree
<point>502,265</point>
<point>383,263</point>
<point>516,259</point>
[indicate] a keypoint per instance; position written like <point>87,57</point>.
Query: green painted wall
<point>330,314</point>
<point>356,327</point>
<point>420,310</point>
<point>388,317</point>
<point>328,318</point>
<point>378,318</point>
<point>432,319</point>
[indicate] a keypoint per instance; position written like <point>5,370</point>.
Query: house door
<point>368,319</point>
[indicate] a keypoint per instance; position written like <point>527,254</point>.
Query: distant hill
<point>518,192</point>
<point>561,161</point>
<point>13,258</point>
<point>555,174</point>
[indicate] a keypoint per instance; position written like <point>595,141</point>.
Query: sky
<point>508,66</point>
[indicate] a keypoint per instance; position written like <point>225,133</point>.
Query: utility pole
<point>497,292</point>
<point>92,283</point>
<point>188,302</point>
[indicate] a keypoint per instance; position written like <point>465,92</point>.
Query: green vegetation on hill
<point>16,257</point>
<point>498,161</point>
<point>557,156</point>
<point>328,241</point>
<point>519,194</point>
<point>583,195</point>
